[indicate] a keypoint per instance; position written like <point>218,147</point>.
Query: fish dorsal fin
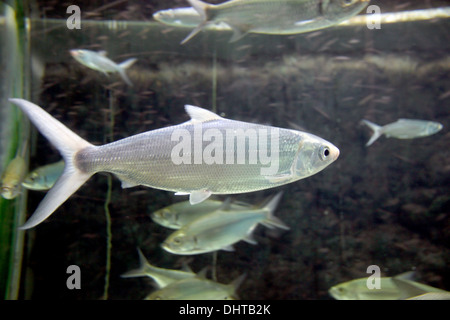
<point>236,283</point>
<point>202,273</point>
<point>407,288</point>
<point>226,205</point>
<point>185,267</point>
<point>198,114</point>
<point>103,53</point>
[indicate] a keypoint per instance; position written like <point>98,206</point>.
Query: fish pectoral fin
<point>198,196</point>
<point>280,178</point>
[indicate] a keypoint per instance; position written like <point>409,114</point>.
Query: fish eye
<point>346,3</point>
<point>178,240</point>
<point>165,214</point>
<point>324,152</point>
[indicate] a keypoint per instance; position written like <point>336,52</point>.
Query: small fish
<point>178,17</point>
<point>197,288</point>
<point>275,16</point>
<point>221,229</point>
<point>98,61</point>
<point>403,129</point>
<point>12,178</point>
<point>182,158</point>
<point>43,178</point>
<point>179,214</point>
<point>13,175</point>
<point>391,288</point>
<point>162,277</point>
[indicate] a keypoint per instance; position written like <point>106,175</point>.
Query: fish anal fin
<point>126,182</point>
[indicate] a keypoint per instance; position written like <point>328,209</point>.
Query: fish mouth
<point>74,53</point>
<point>336,153</point>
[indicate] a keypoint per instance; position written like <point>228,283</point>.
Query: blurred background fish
<point>403,129</point>
<point>391,288</point>
<point>13,175</point>
<point>181,213</point>
<point>44,177</point>
<point>100,62</point>
<point>198,288</point>
<point>274,16</point>
<point>220,229</point>
<point>162,277</point>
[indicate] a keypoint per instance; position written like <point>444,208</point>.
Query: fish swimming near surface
<point>43,178</point>
<point>181,213</point>
<point>221,229</point>
<point>275,16</point>
<point>100,62</point>
<point>13,175</point>
<point>162,277</point>
<point>203,156</point>
<point>403,129</point>
<point>198,288</point>
<point>390,288</point>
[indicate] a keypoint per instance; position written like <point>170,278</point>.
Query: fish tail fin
<point>123,66</point>
<point>68,144</point>
<point>124,77</point>
<point>142,271</point>
<point>201,8</point>
<point>234,285</point>
<point>127,63</point>
<point>271,221</point>
<point>376,131</point>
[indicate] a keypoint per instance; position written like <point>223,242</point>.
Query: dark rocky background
<point>387,205</point>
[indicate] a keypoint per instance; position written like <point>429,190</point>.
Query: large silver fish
<point>275,16</point>
<point>403,129</point>
<point>206,155</point>
<point>221,229</point>
<point>100,62</point>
